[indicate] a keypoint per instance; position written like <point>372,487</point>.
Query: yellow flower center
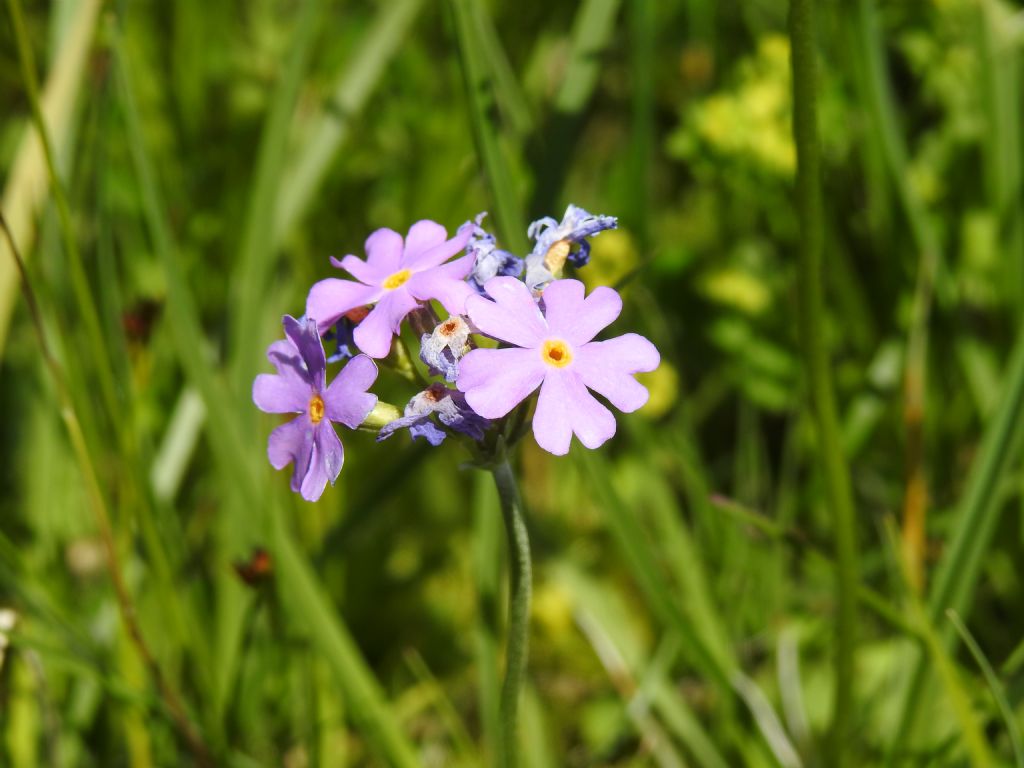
<point>397,279</point>
<point>556,352</point>
<point>316,409</point>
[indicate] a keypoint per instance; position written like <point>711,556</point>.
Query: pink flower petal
<point>426,247</point>
<point>304,335</point>
<point>329,299</point>
<point>280,394</point>
<point>422,236</point>
<point>346,399</point>
<point>513,316</point>
<point>292,442</point>
<point>325,461</point>
<point>373,335</point>
<point>361,270</point>
<point>607,367</point>
<point>566,407</point>
<point>577,320</point>
<point>384,251</point>
<point>497,380</point>
<point>289,363</point>
<point>446,284</point>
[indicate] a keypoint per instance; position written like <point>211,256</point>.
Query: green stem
<point>811,301</point>
<point>520,579</point>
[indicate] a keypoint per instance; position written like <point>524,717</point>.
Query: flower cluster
<point>515,327</point>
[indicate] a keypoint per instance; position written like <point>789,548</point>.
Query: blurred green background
<point>211,156</point>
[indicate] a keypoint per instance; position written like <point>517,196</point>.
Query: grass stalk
<point>480,89</point>
<point>812,326</point>
<point>256,260</point>
<point>958,572</point>
<point>97,503</point>
<point>994,685</point>
<point>26,188</point>
<point>79,282</point>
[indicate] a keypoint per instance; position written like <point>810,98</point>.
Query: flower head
<point>451,409</point>
<point>555,351</point>
<point>554,243</point>
<point>396,276</point>
<point>442,349</point>
<point>299,386</point>
<point>489,260</point>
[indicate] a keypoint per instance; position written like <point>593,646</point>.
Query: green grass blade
<point>27,178</point>
<point>1014,661</point>
<point>306,175</point>
<point>186,332</point>
<point>643,689</point>
<point>956,577</point>
<point>87,311</point>
<point>515,109</point>
<point>592,31</point>
<point>767,721</point>
<point>446,710</point>
<point>636,198</point>
<point>877,92</point>
<point>252,271</point>
<point>178,445</point>
<point>1000,73</point>
<point>491,148</point>
<point>312,609</point>
<point>642,560</point>
<point>536,737</point>
<point>994,685</point>
<point>945,668</point>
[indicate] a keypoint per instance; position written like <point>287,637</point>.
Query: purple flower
<point>396,276</point>
<point>299,386</point>
<point>451,409</point>
<point>554,241</point>
<point>554,351</point>
<point>489,260</point>
<point>442,349</point>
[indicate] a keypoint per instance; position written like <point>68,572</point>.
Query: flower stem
<point>811,302</point>
<point>520,579</point>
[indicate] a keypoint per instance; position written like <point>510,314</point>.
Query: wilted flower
<point>489,260</point>
<point>554,351</point>
<point>442,349</point>
<point>451,409</point>
<point>299,387</point>
<point>396,277</point>
<point>342,334</point>
<point>555,240</point>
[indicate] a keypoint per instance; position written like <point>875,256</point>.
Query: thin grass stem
<point>994,684</point>
<point>125,604</point>
<point>79,282</point>
<point>812,315</point>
